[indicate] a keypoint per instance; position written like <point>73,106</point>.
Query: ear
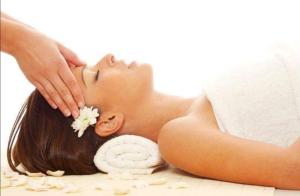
<point>109,123</point>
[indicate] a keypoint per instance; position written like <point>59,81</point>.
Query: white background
<point>186,42</point>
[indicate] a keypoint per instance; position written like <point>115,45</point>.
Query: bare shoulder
<point>201,114</point>
<point>181,130</point>
<point>200,118</point>
<point>192,130</point>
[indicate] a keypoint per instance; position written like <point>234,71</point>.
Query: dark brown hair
<point>46,140</point>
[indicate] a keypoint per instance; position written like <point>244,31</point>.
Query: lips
<point>132,64</point>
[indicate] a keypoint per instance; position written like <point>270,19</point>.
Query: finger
<point>70,55</point>
<point>65,94</point>
<point>69,79</point>
<point>71,65</point>
<point>45,94</point>
<point>54,95</point>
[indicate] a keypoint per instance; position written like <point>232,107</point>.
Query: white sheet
<point>259,98</point>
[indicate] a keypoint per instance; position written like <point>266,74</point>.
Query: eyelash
<point>97,75</point>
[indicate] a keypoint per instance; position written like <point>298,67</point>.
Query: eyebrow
<point>82,76</point>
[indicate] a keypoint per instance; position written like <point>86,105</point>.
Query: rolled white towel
<point>129,153</point>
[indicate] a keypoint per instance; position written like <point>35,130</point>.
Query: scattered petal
<point>103,187</point>
<point>158,181</point>
<point>43,180</point>
<point>19,181</point>
<point>38,174</point>
<point>9,174</point>
<point>70,188</point>
<point>55,173</point>
<point>55,183</point>
<point>121,191</point>
<point>140,184</point>
<point>5,183</point>
<point>36,186</point>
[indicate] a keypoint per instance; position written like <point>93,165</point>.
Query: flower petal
<point>87,116</point>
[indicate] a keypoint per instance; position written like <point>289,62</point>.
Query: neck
<point>155,112</point>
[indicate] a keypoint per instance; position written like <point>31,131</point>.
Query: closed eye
<point>97,75</point>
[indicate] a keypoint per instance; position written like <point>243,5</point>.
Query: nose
<point>110,59</point>
<point>106,61</point>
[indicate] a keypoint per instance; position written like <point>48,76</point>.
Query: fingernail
<point>54,106</point>
<point>80,104</point>
<point>75,114</point>
<point>67,113</point>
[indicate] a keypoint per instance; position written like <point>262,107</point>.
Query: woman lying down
<point>243,128</point>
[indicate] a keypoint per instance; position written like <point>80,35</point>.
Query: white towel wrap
<point>128,153</point>
<point>260,99</point>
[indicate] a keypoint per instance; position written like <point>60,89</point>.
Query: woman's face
<point>114,85</point>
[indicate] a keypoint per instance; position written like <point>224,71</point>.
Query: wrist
<point>291,177</point>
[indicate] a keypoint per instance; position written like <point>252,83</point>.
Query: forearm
<point>259,163</point>
<point>3,15</point>
<point>11,33</point>
<point>213,154</point>
<point>252,162</point>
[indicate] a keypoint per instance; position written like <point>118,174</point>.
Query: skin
<point>184,128</point>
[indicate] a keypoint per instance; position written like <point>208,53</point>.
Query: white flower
<point>87,116</point>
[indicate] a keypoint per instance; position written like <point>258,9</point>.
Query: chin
<point>149,75</point>
<point>148,69</point>
<point>143,76</point>
<point>147,66</point>
<point>143,68</point>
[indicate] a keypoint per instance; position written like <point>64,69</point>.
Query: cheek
<point>141,81</point>
<point>124,87</point>
<point>91,97</point>
<point>112,85</point>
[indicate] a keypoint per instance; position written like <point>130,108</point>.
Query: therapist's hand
<point>46,64</point>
